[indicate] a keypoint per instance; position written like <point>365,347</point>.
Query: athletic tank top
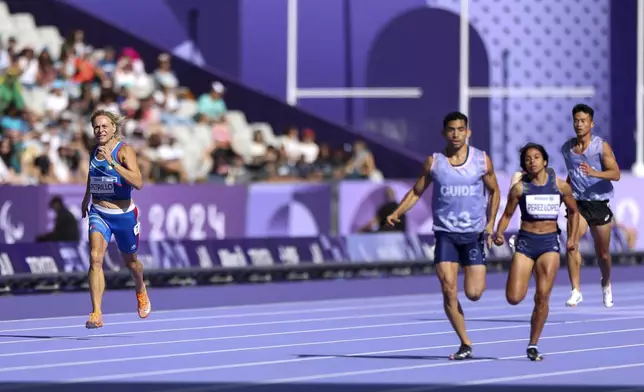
<point>459,201</point>
<point>104,182</point>
<point>585,187</point>
<point>540,202</point>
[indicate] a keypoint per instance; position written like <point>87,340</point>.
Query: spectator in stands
<point>284,167</point>
<point>148,114</point>
<point>362,165</point>
<point>43,169</point>
<point>75,42</point>
<point>12,48</point>
<point>164,157</point>
<point>125,76</point>
<point>107,64</point>
<point>57,100</point>
<point>237,172</point>
<point>28,66</point>
<point>308,148</point>
<point>257,149</point>
<point>166,100</point>
<point>85,68</point>
<point>68,129</point>
<point>65,224</point>
<point>10,92</point>
<point>164,77</point>
<point>133,57</point>
<point>325,163</point>
<point>85,104</point>
<point>221,138</point>
<point>5,58</point>
<point>290,142</point>
<point>128,102</point>
<point>47,72</point>
<point>46,136</point>
<point>212,105</point>
<point>107,101</point>
<point>8,162</point>
<point>66,65</point>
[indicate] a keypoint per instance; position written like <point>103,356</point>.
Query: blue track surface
<point>393,342</point>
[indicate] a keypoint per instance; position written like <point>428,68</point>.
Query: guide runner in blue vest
<point>463,214</point>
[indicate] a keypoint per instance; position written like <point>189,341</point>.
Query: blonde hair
<point>116,119</point>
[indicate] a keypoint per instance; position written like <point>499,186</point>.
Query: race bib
<point>543,205</point>
<point>102,185</point>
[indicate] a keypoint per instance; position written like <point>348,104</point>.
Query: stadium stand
<point>51,84</point>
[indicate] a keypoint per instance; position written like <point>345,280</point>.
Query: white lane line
<point>354,327</point>
<point>279,322</point>
<point>376,371</point>
<point>164,342</point>
<point>313,303</point>
<point>305,311</point>
<point>502,316</point>
<point>415,367</point>
<point>262,363</point>
<point>228,316</point>
<point>315,377</point>
<point>553,374</point>
<point>625,289</point>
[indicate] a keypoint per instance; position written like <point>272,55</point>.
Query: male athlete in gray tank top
<point>591,167</point>
<point>465,201</point>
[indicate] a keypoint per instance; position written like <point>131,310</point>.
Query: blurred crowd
<point>45,135</point>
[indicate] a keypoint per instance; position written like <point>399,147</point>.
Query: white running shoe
<point>575,298</point>
<point>607,295</point>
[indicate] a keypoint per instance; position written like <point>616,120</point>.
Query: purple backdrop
<point>358,202</point>
<point>183,212</point>
<point>19,218</point>
<point>288,210</point>
<point>177,212</point>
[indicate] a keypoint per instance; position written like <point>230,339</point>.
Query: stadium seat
<point>187,108</point>
<point>267,132</point>
<point>23,22</point>
<point>35,99</point>
<point>6,28</point>
<point>50,38</point>
<point>238,123</point>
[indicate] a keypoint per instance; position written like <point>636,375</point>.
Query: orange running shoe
<point>145,307</point>
<point>95,321</point>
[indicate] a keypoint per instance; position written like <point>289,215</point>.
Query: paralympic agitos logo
<point>12,233</point>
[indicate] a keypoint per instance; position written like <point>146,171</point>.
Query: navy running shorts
<point>464,248</point>
<point>535,245</point>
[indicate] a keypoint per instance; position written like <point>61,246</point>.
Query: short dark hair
<point>454,116</point>
<point>583,108</point>
<point>530,146</point>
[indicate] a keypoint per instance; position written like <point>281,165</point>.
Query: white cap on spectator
<point>218,87</point>
<point>164,57</point>
<point>45,138</point>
